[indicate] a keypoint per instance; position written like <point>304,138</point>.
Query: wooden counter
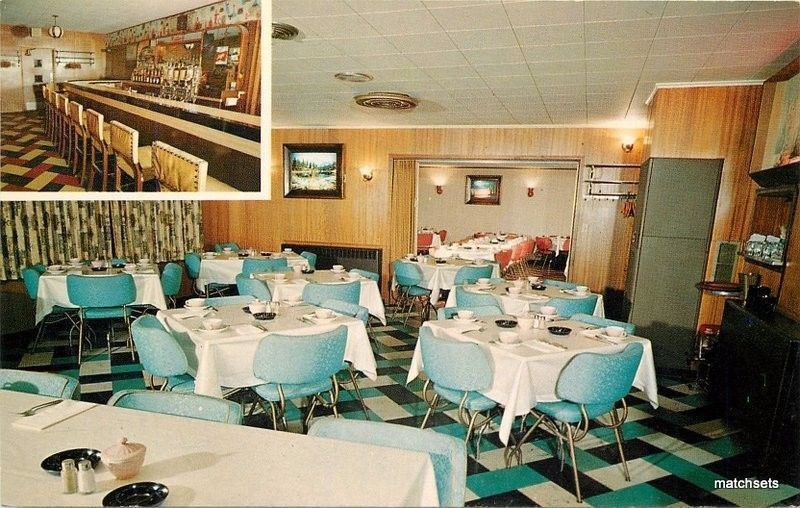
<point>216,135</point>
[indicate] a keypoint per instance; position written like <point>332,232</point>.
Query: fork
<point>32,411</point>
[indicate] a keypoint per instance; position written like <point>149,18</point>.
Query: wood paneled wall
<point>712,123</point>
<point>368,215</point>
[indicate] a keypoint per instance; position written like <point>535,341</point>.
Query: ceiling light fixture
<point>284,31</point>
<point>55,31</point>
<point>353,77</point>
<point>386,100</point>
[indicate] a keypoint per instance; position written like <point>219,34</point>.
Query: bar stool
<point>99,144</point>
<point>129,156</point>
<point>178,171</point>
<point>63,129</point>
<point>46,114</point>
<point>78,139</point>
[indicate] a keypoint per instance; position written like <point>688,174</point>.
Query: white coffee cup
<point>98,263</point>
<point>581,289</point>
<point>297,268</point>
<point>508,337</point>
<point>227,250</point>
<point>130,267</point>
<point>323,313</point>
<point>548,310</point>
<point>213,323</point>
<point>54,268</point>
<point>257,307</point>
<point>196,302</point>
<point>74,261</point>
<point>144,261</point>
<point>465,314</point>
<point>338,268</point>
<point>514,290</point>
<point>209,255</point>
<point>616,331</point>
<point>535,280</point>
<point>484,281</point>
<point>287,249</point>
<point>519,283</point>
<point>525,322</point>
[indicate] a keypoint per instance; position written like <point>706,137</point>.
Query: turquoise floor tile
<point>636,495</point>
<point>128,367</point>
<point>684,469</point>
<point>757,497</point>
<point>632,430</point>
<point>503,480</point>
<point>128,384</point>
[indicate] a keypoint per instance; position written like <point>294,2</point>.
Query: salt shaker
<point>69,477</point>
<point>86,484</point>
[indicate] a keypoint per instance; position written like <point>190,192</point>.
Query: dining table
<point>441,274</point>
<point>291,287</point>
<point>205,463</point>
<point>480,248</point>
<point>526,373</point>
<point>224,358</point>
<point>528,300</point>
<point>223,267</point>
<point>52,289</point>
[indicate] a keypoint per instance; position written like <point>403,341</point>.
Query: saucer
<point>52,464</point>
<point>137,494</point>
<point>215,330</point>
<point>559,330</point>
<point>464,320</point>
<point>505,323</point>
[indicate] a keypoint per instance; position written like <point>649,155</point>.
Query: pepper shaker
<point>86,483</point>
<point>69,477</point>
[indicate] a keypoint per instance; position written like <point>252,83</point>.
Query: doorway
<point>37,70</point>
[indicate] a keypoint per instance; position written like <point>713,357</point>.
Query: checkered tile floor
<point>674,453</point>
<point>28,159</point>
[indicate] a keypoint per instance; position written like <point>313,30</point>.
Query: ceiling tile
<point>776,20</point>
<point>403,22</point>
<point>678,45</point>
<point>615,30</point>
<point>302,8</point>
<point>502,69</point>
<point>509,81</point>
<point>483,39</point>
<point>630,63</point>
<point>700,8</point>
<point>422,42</point>
<point>363,6</point>
<point>546,35</point>
<point>676,61</point>
<point>554,53</point>
<point>393,61</point>
<point>563,67</point>
<point>459,71</point>
<point>288,50</point>
<point>438,59</point>
<point>693,25</point>
<point>560,79</point>
<point>545,12</point>
<point>491,15</point>
<point>334,26</point>
<point>461,83</point>
<point>494,56</point>
<point>363,46</point>
<point>613,49</point>
<point>625,10</point>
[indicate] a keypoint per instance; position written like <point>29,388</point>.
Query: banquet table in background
<point>225,358</point>
<point>525,374</point>
<point>476,249</point>
<point>221,268</point>
<point>439,276</point>
<point>209,464</point>
<point>53,289</point>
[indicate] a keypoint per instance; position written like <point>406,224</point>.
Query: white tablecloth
<point>210,464</point>
<point>476,249</point>
<point>223,268</point>
<point>295,282</point>
<point>226,358</point>
<point>53,291</point>
<point>442,276</point>
<point>528,300</point>
<point>526,374</point>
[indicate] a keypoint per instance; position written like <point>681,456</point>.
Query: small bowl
<point>513,290</point>
<point>144,261</point>
<point>265,253</point>
<point>124,459</point>
<point>337,268</point>
<point>548,310</point>
<point>264,316</point>
<point>257,307</point>
<point>213,324</point>
<point>465,314</point>
<point>581,289</point>
<point>616,331</point>
<point>323,313</point>
<point>519,283</point>
<point>74,261</point>
<point>287,250</point>
<point>505,323</point>
<point>55,268</point>
<point>508,337</point>
<point>227,250</point>
<point>197,303</point>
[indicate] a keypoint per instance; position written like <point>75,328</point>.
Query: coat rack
<point>599,185</point>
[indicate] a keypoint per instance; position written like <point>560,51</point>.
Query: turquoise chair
<point>458,371</point>
<point>293,366</point>
<point>598,321</point>
<point>589,386</point>
<point>119,261</point>
<point>253,287</point>
<point>185,404</point>
<point>466,298</point>
<point>102,297</point>
<point>311,258</point>
<point>42,383</point>
<point>315,293</point>
<point>471,274</point>
<point>366,273</point>
<point>409,277</point>
<point>220,247</point>
<point>481,310</point>
<point>171,278</point>
<point>447,453</point>
<point>221,301</point>
<point>30,276</point>
<point>560,284</point>
<point>192,261</point>
<point>252,265</point>
<point>567,307</point>
<point>160,355</point>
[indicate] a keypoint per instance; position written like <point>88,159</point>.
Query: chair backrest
<point>566,245</point>
<point>503,258</point>
<point>593,378</point>
<point>94,125</point>
<point>543,244</point>
<point>253,287</point>
<point>448,454</point>
<point>481,310</point>
<point>300,359</point>
<point>230,300</point>
<point>101,291</point>
<point>171,279</point>
<point>125,143</point>
<point>62,103</point>
<point>185,404</point>
<point>599,321</point>
<point>406,274</point>
<point>471,274</point>
<point>442,235</point>
<point>516,252</point>
<point>366,273</point>
<point>311,258</point>
<point>455,364</point>
<point>43,383</point>
<point>30,276</point>
<point>567,307</point>
<point>76,113</point>
<point>349,309</point>
<point>233,246</point>
<point>424,240</point>
<point>253,265</point>
<point>178,171</point>
<point>465,298</point>
<point>315,293</point>
<point>159,352</point>
<point>118,261</point>
<point>192,261</point>
<point>560,284</point>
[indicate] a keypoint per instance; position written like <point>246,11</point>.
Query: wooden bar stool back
<point>78,139</point>
<point>178,171</point>
<point>136,161</point>
<point>63,126</point>
<point>46,113</point>
<point>99,146</point>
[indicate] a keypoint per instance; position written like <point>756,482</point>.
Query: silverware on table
<point>32,411</point>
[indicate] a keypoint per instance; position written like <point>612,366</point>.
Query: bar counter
<point>228,140</point>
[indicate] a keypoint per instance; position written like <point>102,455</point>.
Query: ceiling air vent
<point>284,32</point>
<point>386,100</point>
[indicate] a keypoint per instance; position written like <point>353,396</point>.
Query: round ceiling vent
<point>284,32</point>
<point>386,100</point>
<point>353,77</point>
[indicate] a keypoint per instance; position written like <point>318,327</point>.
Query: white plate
<point>216,330</point>
<point>484,287</point>
<point>318,320</point>
<point>462,320</point>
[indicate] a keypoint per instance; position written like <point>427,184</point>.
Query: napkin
<point>543,346</point>
<point>247,329</point>
<point>598,334</point>
<point>535,298</point>
<point>52,415</point>
<point>188,315</point>
<point>292,303</point>
<point>462,327</point>
<point>314,319</point>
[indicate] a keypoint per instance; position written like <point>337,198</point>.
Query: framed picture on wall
<point>313,171</point>
<point>483,190</point>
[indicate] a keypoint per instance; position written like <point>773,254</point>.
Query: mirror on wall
<point>221,50</point>
<point>179,49</point>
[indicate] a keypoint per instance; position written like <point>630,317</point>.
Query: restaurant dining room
<point>509,253</point>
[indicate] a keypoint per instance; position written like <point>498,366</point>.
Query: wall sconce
<point>439,189</point>
<point>530,192</point>
<point>627,144</point>
<point>366,174</point>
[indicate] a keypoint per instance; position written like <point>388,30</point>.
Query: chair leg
<point>358,391</point>
<point>39,333</point>
<point>431,410</point>
<point>618,435</point>
<point>80,339</point>
<point>571,443</point>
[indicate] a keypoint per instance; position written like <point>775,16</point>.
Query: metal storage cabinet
<point>675,213</point>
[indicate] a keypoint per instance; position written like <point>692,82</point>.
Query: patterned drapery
<point>51,232</point>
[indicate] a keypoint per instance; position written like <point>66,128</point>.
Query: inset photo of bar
<point>113,96</point>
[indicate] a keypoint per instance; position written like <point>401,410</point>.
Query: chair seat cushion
<point>416,291</point>
<point>475,400</point>
<point>269,391</point>
<point>570,412</point>
<point>181,383</point>
<point>106,312</point>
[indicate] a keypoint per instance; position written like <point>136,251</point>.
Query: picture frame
<point>483,189</point>
<point>313,171</point>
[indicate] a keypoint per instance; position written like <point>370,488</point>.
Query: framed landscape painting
<point>313,171</point>
<point>483,190</point>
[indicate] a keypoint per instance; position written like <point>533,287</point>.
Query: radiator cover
<point>365,258</point>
